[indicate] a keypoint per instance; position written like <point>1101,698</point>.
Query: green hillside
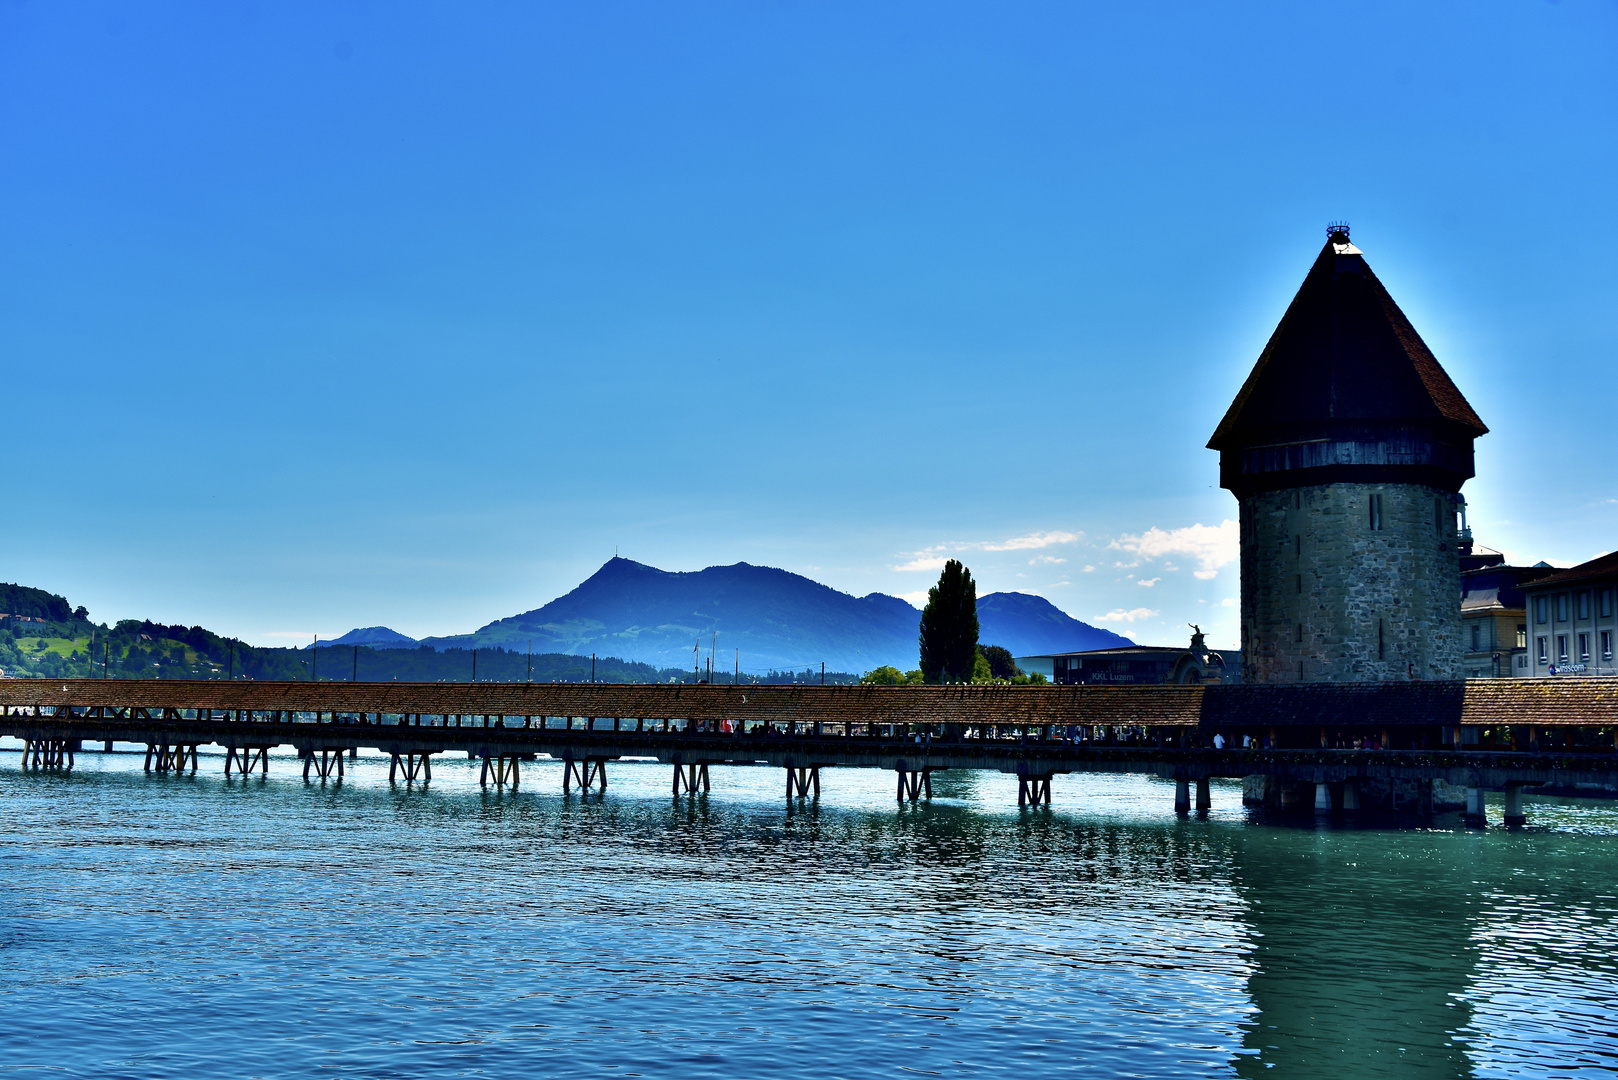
<point>42,636</point>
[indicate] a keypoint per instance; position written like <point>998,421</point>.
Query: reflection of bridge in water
<point>1333,748</point>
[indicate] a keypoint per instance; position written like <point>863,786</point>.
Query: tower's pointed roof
<point>1343,353</point>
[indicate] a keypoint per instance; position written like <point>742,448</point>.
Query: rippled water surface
<point>201,927</point>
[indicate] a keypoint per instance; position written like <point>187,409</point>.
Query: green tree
<point>886,675</point>
<point>1001,663</point>
<point>949,626</point>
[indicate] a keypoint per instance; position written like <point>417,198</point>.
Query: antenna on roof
<point>1335,227</point>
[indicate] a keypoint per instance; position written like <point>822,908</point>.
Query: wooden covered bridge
<point>1336,747</point>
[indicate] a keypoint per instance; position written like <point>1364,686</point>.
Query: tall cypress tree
<point>949,626</point>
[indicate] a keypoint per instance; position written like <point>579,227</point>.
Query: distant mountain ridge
<point>378,637</point>
<point>777,619</point>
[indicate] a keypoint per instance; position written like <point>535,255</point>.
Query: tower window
<point>1381,649</point>
<point>1477,637</point>
<point>1376,513</point>
<point>1300,631</point>
<point>1438,517</point>
<point>1299,579</point>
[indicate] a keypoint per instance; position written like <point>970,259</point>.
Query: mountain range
<point>774,618</point>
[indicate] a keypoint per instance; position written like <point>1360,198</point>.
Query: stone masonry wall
<point>1327,597</point>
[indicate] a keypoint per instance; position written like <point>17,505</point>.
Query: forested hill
<point>774,618</point>
<point>43,637</point>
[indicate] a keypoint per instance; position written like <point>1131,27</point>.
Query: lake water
<point>198,927</point>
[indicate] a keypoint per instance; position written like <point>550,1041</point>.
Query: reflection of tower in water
<point>1362,955</point>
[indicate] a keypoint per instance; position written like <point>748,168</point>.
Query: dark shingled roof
<point>1343,352</point>
<point>1599,567</point>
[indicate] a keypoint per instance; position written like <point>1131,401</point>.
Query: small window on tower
<point>1438,517</point>
<point>1376,513</point>
<point>1477,637</point>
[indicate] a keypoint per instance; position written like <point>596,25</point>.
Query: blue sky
<point>325,315</point>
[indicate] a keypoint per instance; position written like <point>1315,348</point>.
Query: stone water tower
<point>1347,448</point>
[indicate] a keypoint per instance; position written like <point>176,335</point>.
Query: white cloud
<point>1088,570</point>
<point>1212,546</point>
<point>1229,601</point>
<point>923,562</point>
<point>1122,616</point>
<point>1148,582</point>
<point>1047,560</point>
<point>1033,540</point>
<point>915,599</point>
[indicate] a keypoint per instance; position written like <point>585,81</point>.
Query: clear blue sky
<point>325,315</point>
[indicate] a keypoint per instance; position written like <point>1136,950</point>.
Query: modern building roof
<point>1343,355</point>
<point>1602,566</point>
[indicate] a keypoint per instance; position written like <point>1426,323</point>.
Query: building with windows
<point>1572,619</point>
<point>1494,614</point>
<point>1139,664</point>
<point>1346,448</point>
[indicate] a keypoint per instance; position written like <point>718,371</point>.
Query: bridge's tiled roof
<point>1482,701</point>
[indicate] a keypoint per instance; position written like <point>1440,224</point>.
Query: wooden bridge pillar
<point>801,780</point>
<point>245,758</point>
<point>1182,796</point>
<point>324,762</point>
<point>694,775</point>
<point>914,784</point>
<point>413,765</point>
<point>1204,796</point>
<point>163,758</point>
<point>589,773</point>
<point>51,754</point>
<point>1475,816</point>
<point>506,769</point>
<point>1034,790</point>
